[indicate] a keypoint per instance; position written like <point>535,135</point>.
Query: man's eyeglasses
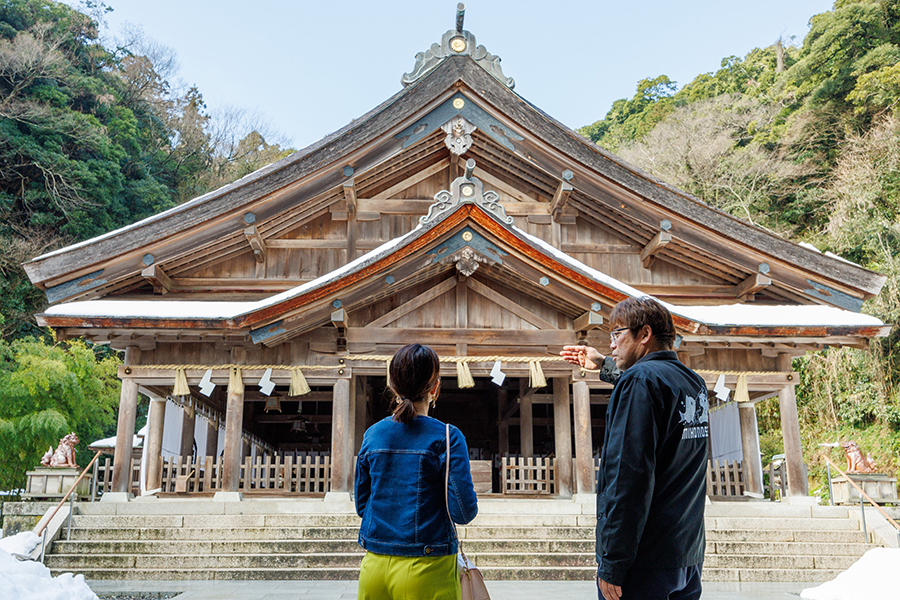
<point>614,334</point>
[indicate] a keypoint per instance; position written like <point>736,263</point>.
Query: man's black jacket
<point>652,484</point>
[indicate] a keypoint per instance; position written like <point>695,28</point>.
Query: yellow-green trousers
<point>383,577</point>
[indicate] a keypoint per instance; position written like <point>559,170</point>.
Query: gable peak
<point>456,42</point>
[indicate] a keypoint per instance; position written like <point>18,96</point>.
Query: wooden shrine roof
<point>402,129</point>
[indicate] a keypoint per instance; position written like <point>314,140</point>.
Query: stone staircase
<point>512,539</point>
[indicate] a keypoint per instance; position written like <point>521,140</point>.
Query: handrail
<point>865,495</point>
<point>66,497</point>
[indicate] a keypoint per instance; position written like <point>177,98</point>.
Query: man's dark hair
<point>414,372</point>
<point>634,313</point>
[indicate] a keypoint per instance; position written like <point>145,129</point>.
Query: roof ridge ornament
<point>465,190</point>
<point>456,42</point>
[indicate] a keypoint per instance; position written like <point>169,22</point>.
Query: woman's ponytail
<point>414,372</point>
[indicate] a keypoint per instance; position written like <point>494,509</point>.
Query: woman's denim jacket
<point>400,488</point>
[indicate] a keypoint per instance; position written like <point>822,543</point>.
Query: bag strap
<point>447,494</point>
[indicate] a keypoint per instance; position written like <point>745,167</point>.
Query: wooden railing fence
<point>725,478</point>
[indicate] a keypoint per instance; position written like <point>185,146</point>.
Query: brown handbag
<point>471,582</point>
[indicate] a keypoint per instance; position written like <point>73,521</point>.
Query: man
<point>652,484</point>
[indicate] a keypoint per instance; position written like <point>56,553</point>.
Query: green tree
<point>630,120</point>
<point>47,391</point>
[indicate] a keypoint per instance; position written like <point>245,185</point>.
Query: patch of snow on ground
<point>872,577</point>
<point>30,580</point>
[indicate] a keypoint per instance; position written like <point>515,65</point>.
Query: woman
<point>410,543</point>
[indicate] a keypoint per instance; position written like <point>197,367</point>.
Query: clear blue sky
<point>312,67</point>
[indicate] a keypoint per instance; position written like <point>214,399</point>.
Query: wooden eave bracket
<point>654,247</point>
<point>747,288</point>
<point>257,243</point>
<point>161,282</point>
<point>588,321</point>
<point>561,197</point>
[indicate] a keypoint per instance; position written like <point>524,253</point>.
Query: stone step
<point>770,575</point>
<point>787,548</point>
<point>284,574</point>
<point>774,510</point>
<point>210,562</point>
<point>189,547</point>
<point>216,533</point>
<point>213,521</point>
<point>533,559</point>
<point>525,533</point>
<point>819,524</point>
<point>194,547</point>
<point>538,573</point>
<point>749,561</point>
<point>787,535</point>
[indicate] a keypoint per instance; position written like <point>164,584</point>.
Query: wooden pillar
<point>188,425</point>
<point>584,452</point>
<point>125,428</point>
<point>562,432</point>
<point>362,396</point>
<point>212,437</point>
<point>341,437</point>
<point>156,420</point>
<point>502,423</point>
<point>750,441</point>
<point>790,431</point>
<point>234,427</point>
<point>526,421</point>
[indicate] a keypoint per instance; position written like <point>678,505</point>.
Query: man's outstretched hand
<point>583,356</point>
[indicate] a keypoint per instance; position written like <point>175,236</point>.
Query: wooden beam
<point>599,248</point>
<point>501,186</point>
<point>462,301</point>
<point>703,291</point>
<point>257,243</point>
<point>411,305</point>
<point>350,197</point>
<point>588,321</point>
<point>162,284</point>
<point>411,181</point>
<point>653,247</point>
<point>516,309</point>
<point>561,197</point>
<point>751,285</point>
<point>307,244</point>
<point>474,337</point>
<point>338,318</point>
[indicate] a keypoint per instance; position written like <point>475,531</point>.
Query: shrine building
<point>454,214</point>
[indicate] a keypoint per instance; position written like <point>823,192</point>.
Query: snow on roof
<point>733,314</point>
<point>212,310</point>
<point>749,314</point>
<point>110,442</point>
<point>736,314</point>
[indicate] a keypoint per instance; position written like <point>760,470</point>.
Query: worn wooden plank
<point>413,180</point>
<point>470,336</point>
<point>509,305</point>
<point>257,243</point>
<point>411,305</point>
<point>600,248</point>
<point>653,247</point>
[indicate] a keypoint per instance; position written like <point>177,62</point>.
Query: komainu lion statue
<point>856,462</point>
<point>64,455</point>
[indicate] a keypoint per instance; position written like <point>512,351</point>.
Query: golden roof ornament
<point>456,42</point>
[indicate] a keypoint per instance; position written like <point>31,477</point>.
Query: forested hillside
<point>93,136</point>
<point>803,140</point>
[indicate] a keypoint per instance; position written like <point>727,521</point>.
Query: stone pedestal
<point>53,482</point>
<point>880,487</point>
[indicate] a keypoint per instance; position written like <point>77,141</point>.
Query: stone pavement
<point>346,590</point>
